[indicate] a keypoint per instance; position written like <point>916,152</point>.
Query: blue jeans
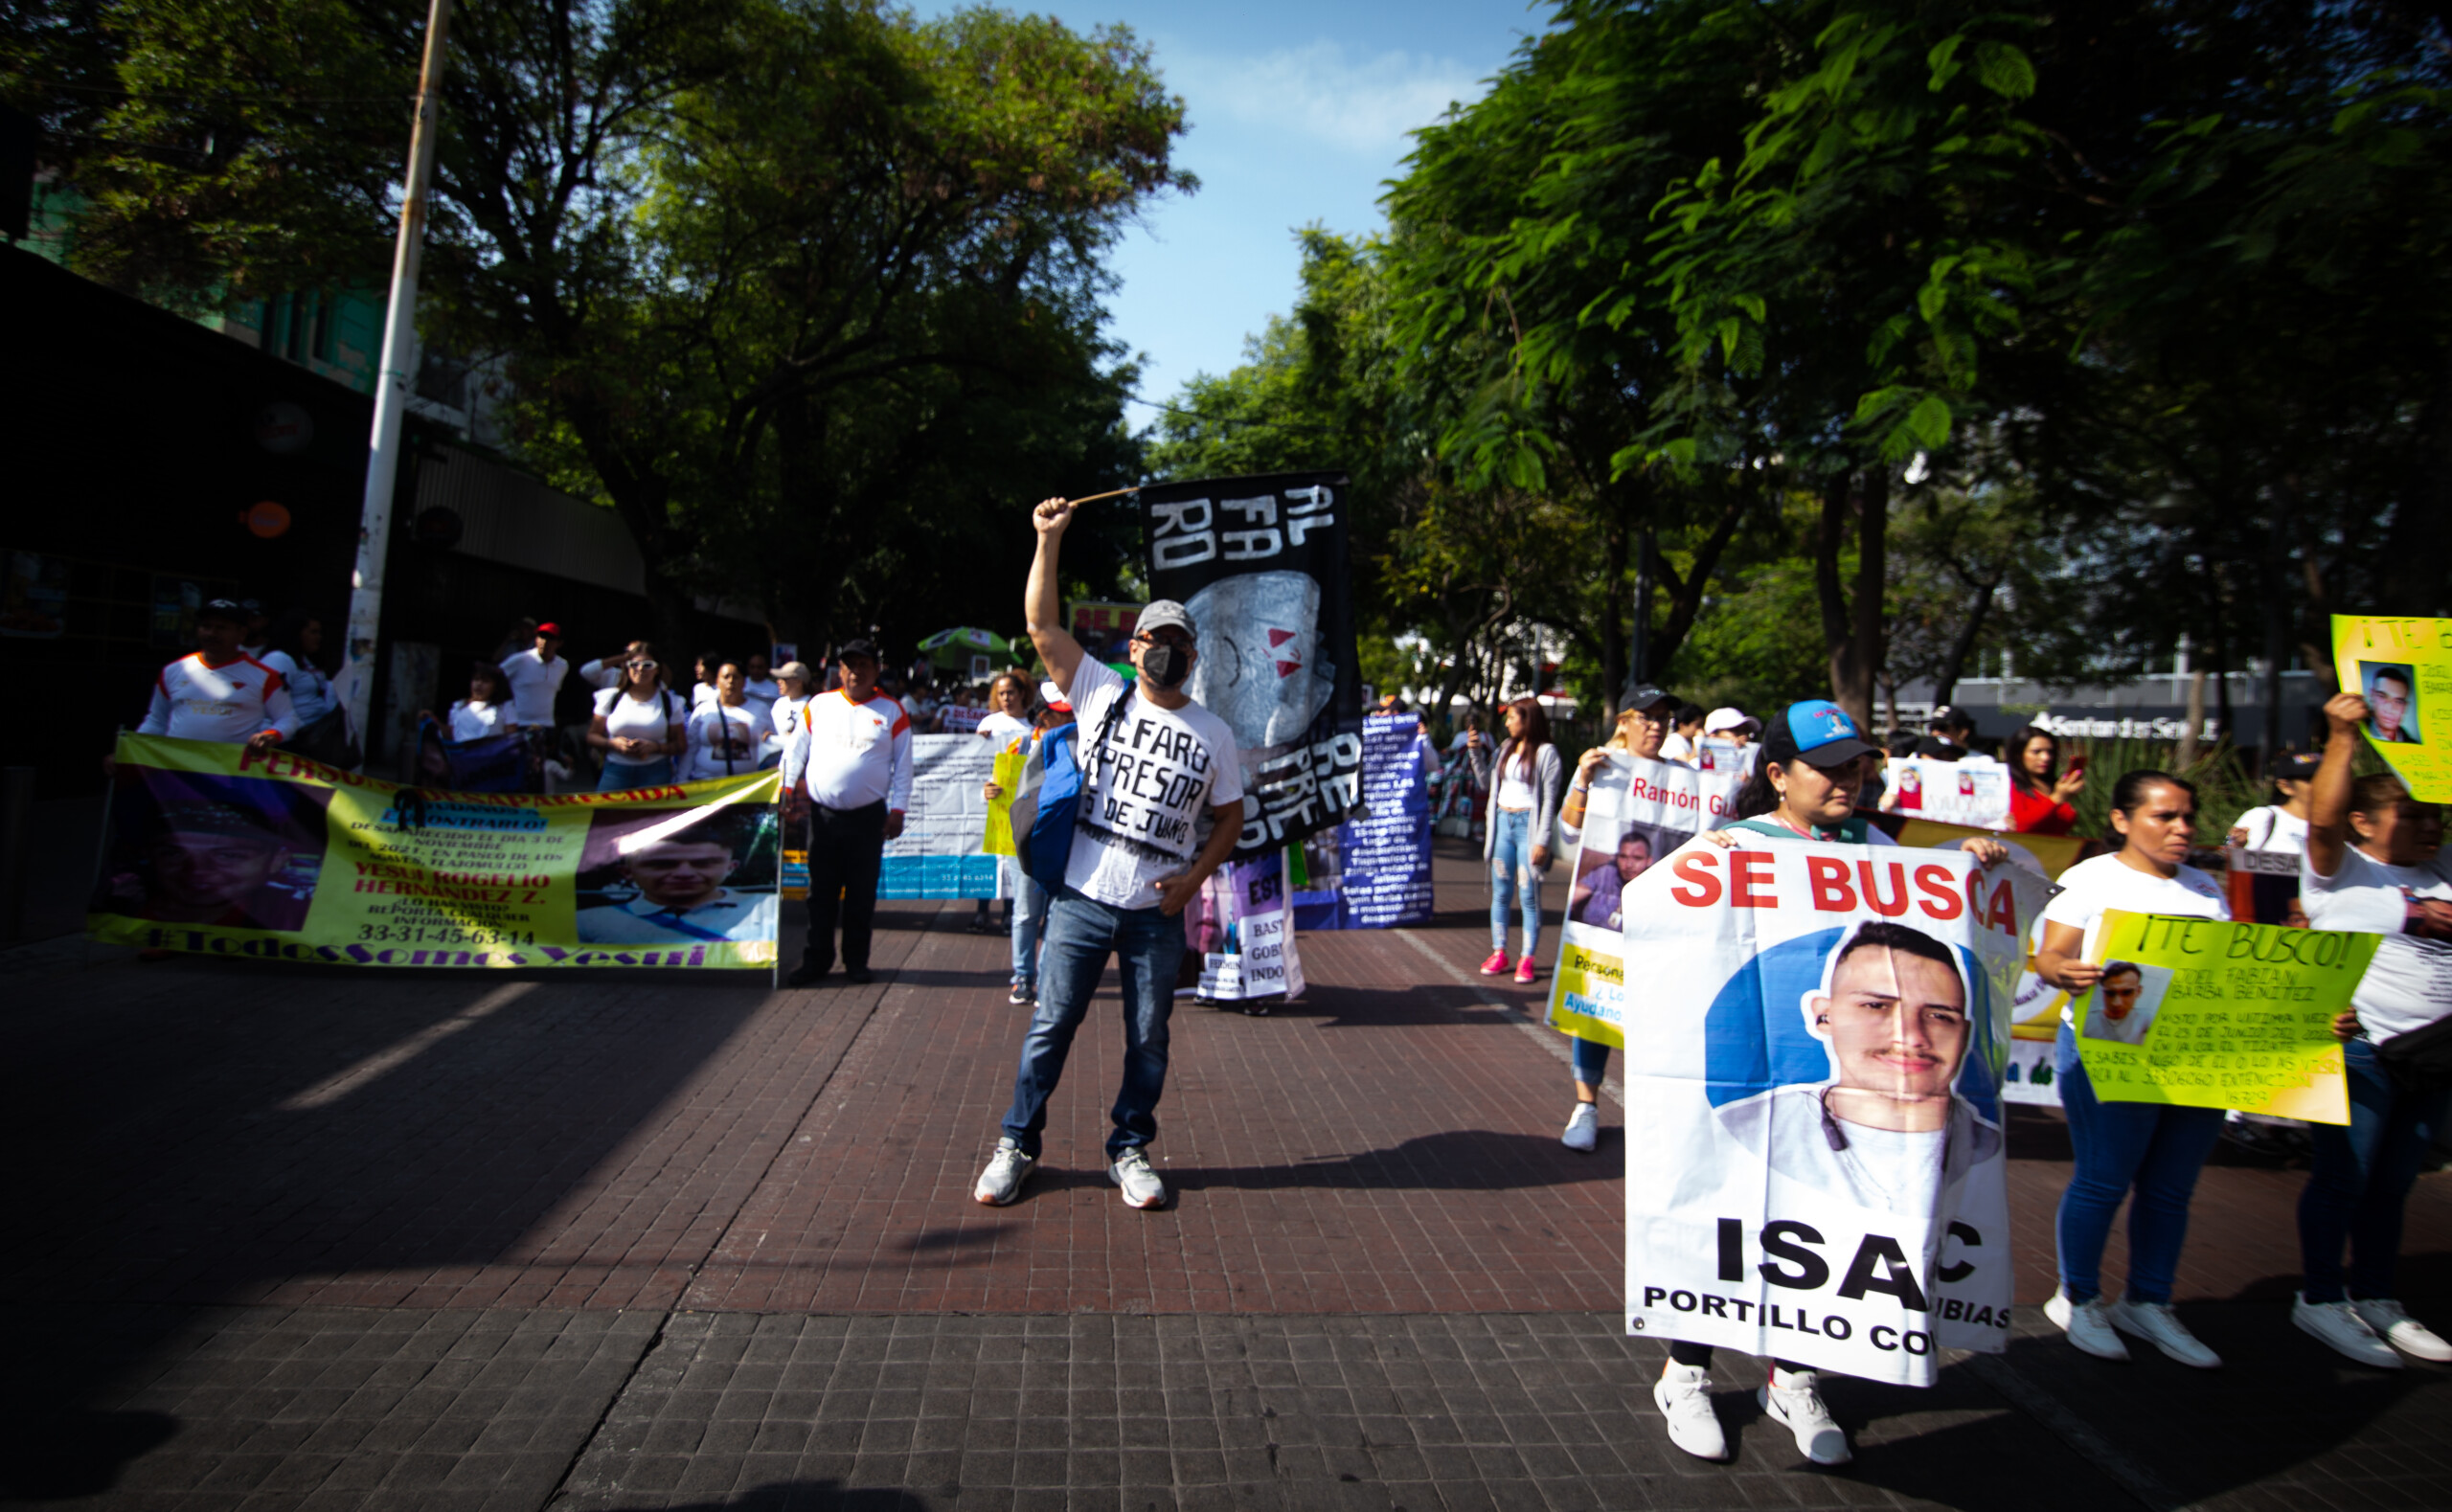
<point>1512,878</point>
<point>1029,917</point>
<point>2152,1147</point>
<point>1148,946</point>
<point>1591,1061</point>
<point>621,777</point>
<point>2362,1178</point>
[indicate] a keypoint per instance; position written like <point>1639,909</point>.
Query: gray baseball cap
<point>1163,612</point>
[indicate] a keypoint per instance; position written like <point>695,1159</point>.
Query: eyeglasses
<point>642,666</point>
<point>1179,641</point>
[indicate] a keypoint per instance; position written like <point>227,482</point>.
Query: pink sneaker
<point>1496,965</point>
<point>1524,969</point>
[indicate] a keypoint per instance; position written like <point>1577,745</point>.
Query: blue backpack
<point>1050,802</point>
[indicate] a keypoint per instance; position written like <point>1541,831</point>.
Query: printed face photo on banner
<point>671,877</point>
<point>2391,698</point>
<point>2122,1005</point>
<point>1601,873</point>
<point>1814,1056</point>
<point>1883,1122</point>
<point>197,848</point>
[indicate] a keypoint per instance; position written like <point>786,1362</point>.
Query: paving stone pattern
<point>316,1238</point>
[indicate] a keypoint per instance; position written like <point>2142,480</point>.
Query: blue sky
<point>1298,113</point>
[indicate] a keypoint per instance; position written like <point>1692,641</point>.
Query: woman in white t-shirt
<point>2282,826</point>
<point>724,736</point>
<point>487,710</point>
<point>1524,808</point>
<point>639,725</point>
<point>1006,721</point>
<point>2395,881</point>
<point>2153,1149</point>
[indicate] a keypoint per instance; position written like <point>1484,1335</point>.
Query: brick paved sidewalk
<point>341,1239</point>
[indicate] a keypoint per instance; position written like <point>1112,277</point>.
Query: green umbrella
<point>955,647</point>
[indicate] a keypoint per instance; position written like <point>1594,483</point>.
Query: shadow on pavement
<point>780,1496</point>
<point>1455,1160</point>
<point>191,1135</point>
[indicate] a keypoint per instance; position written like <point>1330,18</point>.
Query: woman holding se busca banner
<point>1824,1182</point>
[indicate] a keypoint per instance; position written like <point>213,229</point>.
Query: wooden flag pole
<point>1109,494</point>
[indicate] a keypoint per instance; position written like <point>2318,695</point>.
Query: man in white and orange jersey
<point>217,692</point>
<point>853,754</point>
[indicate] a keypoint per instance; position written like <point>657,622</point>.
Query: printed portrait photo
<point>192,847</point>
<point>1602,875</point>
<point>1887,1129</point>
<point>2391,691</point>
<point>2122,1006</point>
<point>678,876</point>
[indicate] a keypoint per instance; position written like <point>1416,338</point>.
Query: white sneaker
<point>1140,1185</point>
<point>2158,1325</point>
<point>2088,1325</point>
<point>2394,1325</point>
<point>2339,1324</point>
<point>1583,1128</point>
<point>1795,1400</point>
<point>1002,1182</point>
<point>1683,1393</point>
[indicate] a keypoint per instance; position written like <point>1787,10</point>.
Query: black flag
<point>1262,564</point>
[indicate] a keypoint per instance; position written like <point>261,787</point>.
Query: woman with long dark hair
<point>2039,791</point>
<point>1523,782</point>
<point>2151,1149</point>
<point>639,726</point>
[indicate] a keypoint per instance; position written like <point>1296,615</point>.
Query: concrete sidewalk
<point>319,1238</point>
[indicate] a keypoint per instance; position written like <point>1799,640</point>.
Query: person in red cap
<point>536,676</point>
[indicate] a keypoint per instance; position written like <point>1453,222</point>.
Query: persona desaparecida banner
<point>1262,564</point>
<point>1813,1077</point>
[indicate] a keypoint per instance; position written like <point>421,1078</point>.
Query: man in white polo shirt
<point>851,752</point>
<point>217,692</point>
<point>1162,807</point>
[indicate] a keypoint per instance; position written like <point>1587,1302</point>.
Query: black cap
<point>1816,732</point>
<point>1949,717</point>
<point>861,646</point>
<point>2297,766</point>
<point>230,609</point>
<point>1645,695</point>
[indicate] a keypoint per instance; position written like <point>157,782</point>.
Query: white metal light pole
<point>393,380</point>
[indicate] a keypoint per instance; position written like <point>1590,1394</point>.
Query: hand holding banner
<point>1813,1066</point>
<point>2206,1013</point>
<point>2403,669</point>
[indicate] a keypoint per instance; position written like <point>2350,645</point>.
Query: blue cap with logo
<point>1816,732</point>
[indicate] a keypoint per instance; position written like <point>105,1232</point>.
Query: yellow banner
<point>1000,809</point>
<point>216,850</point>
<point>1590,985</point>
<point>2403,669</point>
<point>2055,853</point>
<point>2206,1013</point>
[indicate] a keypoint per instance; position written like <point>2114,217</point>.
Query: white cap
<point>1730,719</point>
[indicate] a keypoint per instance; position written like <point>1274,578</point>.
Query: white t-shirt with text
<point>1147,789</point>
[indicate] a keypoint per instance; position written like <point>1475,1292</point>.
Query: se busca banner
<point>1813,1064</point>
<point>216,850</point>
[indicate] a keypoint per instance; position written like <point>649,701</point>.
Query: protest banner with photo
<point>1637,812</point>
<point>942,850</point>
<point>1261,564</point>
<point>1813,1083</point>
<point>1245,910</point>
<point>1969,793</point>
<point>1726,755</point>
<point>2211,1013</point>
<point>212,848</point>
<point>2403,669</point>
<point>1374,871</point>
<point>2262,886</point>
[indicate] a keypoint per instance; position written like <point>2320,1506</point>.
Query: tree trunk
<point>1686,594</point>
<point>1853,631</point>
<point>2186,757</point>
<point>1945,683</point>
<point>2416,550</point>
